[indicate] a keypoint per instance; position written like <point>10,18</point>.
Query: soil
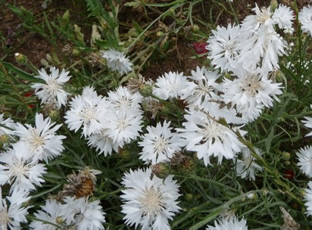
<point>35,47</point>
<point>20,40</point>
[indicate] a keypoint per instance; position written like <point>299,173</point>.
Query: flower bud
<point>159,33</point>
<point>195,28</point>
<point>286,156</point>
<point>146,90</point>
<point>21,58</point>
<point>273,5</point>
<point>161,170</point>
<point>189,196</point>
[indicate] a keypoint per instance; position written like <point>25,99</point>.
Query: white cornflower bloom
<point>50,216</point>
<point>283,17</point>
<point>13,215</point>
<point>87,110</point>
<point>170,85</point>
<point>222,46</point>
<point>204,87</point>
<point>117,61</point>
<point>250,93</point>
<point>83,214</point>
<point>52,91</point>
<point>247,167</point>
<point>305,160</point>
<point>123,126</point>
<point>122,98</point>
<point>308,199</point>
<point>305,18</point>
<point>207,137</point>
<point>262,18</point>
<point>229,224</point>
<point>308,124</point>
<point>261,49</point>
<point>102,142</point>
<point>159,144</point>
<point>149,201</point>
<point>260,45</point>
<point>41,140</point>
<point>20,173</point>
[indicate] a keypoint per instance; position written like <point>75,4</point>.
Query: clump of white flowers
<point>214,108</point>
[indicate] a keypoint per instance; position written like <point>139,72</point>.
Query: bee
<point>81,184</point>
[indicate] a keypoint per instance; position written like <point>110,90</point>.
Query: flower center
<point>263,15</point>
<point>229,48</point>
<point>4,218</point>
<point>19,169</point>
<point>252,86</point>
<point>122,124</point>
<point>124,101</point>
<point>35,140</point>
<point>161,144</point>
<point>152,201</point>
<point>211,132</point>
<point>53,86</point>
<point>87,115</point>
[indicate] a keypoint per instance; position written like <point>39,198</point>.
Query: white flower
<point>305,18</point>
<point>308,124</point>
<point>308,199</point>
<point>305,160</point>
<point>261,49</point>
<point>229,224</point>
<point>49,213</point>
<point>83,214</point>
<point>52,91</point>
<point>121,98</point>
<point>262,18</point>
<point>117,61</point>
<point>204,88</point>
<point>283,17</point>
<point>86,110</point>
<point>260,45</point>
<point>170,85</point>
<point>149,201</point>
<point>159,144</point>
<point>19,172</point>
<point>123,126</point>
<point>207,137</point>
<point>41,140</point>
<point>13,215</point>
<point>222,46</point>
<point>247,166</point>
<point>102,142</point>
<point>250,93</point>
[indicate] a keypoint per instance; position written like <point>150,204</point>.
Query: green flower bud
<point>21,58</point>
<point>162,170</point>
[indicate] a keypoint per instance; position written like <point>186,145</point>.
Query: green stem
<point>9,78</point>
